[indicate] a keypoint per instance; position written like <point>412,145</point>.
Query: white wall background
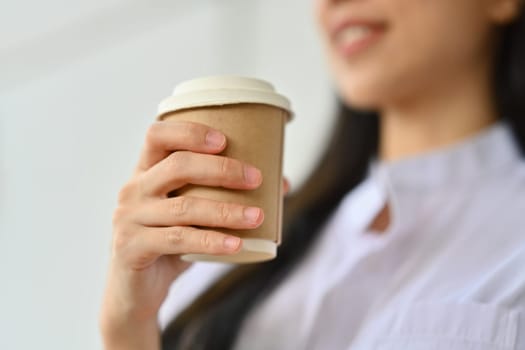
<point>79,84</point>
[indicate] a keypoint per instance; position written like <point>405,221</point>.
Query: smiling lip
<point>354,36</point>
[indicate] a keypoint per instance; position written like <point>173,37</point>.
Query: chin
<point>360,96</point>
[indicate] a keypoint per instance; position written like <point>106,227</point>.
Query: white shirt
<point>449,273</point>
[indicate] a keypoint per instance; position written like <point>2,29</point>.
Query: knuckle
<point>223,213</point>
<point>206,240</point>
<point>119,214</point>
<point>119,243</point>
<point>188,130</point>
<point>127,192</point>
<point>178,160</point>
<point>121,239</point>
<point>175,236</point>
<point>225,166</point>
<point>131,190</point>
<point>152,134</point>
<point>129,246</point>
<point>143,259</point>
<point>179,206</point>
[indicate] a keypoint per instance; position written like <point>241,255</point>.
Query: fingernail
<point>231,243</point>
<point>251,214</point>
<point>215,138</point>
<point>252,176</point>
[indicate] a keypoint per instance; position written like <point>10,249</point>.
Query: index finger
<point>165,137</point>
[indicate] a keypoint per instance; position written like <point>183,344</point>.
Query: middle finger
<point>183,167</point>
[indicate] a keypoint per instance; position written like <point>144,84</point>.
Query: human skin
<point>428,70</point>
<point>151,230</point>
<point>428,73</point>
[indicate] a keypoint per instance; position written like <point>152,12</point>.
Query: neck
<point>437,119</point>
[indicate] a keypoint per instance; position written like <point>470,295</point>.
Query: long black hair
<point>213,320</point>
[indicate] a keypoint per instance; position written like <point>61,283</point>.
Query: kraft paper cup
<point>252,116</point>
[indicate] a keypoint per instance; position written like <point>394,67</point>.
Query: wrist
<point>130,335</point>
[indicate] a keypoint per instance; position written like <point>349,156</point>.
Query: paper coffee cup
<point>252,115</point>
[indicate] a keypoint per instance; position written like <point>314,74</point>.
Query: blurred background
<point>79,84</point>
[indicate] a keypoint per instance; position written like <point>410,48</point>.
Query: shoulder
<point>505,194</point>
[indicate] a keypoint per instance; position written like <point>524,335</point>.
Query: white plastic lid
<point>222,90</point>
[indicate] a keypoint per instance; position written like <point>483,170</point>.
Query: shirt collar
<point>480,155</point>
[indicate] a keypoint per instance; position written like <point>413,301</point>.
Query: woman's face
<point>387,51</point>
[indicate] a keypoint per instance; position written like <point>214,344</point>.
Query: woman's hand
<point>151,230</point>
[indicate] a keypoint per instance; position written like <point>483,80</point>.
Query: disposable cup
<point>252,115</point>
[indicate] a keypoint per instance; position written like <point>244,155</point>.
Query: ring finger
<point>180,211</point>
